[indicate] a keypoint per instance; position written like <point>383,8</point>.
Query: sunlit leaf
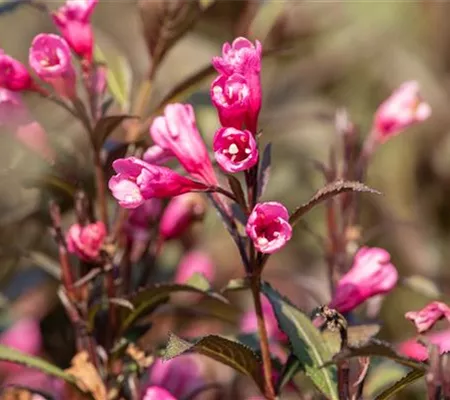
<point>357,336</point>
<point>236,285</point>
<point>407,380</point>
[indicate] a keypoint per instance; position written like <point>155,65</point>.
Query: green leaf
<point>327,192</point>
<point>149,298</point>
<point>306,342</point>
<point>291,368</point>
<point>407,380</point>
<point>235,285</point>
<point>382,375</point>
<point>105,126</point>
<point>118,75</point>
<point>15,356</point>
<point>377,348</point>
<point>228,352</point>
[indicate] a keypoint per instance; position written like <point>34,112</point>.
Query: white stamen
<point>233,149</point>
<point>247,151</point>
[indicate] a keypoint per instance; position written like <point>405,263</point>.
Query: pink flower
<point>372,274</point>
<point>24,335</point>
<point>179,214</point>
<point>157,393</point>
<point>241,56</point>
<point>268,226</point>
<point>50,58</point>
<point>14,115</point>
<point>425,319</point>
<point>195,261</point>
<point>402,109</point>
<point>235,150</point>
<point>413,349</point>
<point>140,218</point>
<point>157,155</point>
<point>13,74</point>
<point>137,181</point>
<point>177,133</point>
<point>180,376</point>
<point>86,241</point>
<point>73,21</point>
<point>249,322</point>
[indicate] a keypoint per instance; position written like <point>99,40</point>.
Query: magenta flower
<point>231,96</point>
<point>157,155</point>
<point>268,226</point>
<point>13,74</point>
<point>195,261</point>
<point>86,241</point>
<point>180,376</point>
<point>372,273</point>
<point>73,21</point>
<point>249,322</point>
<point>402,109</point>
<point>50,58</point>
<point>137,181</point>
<point>414,349</point>
<point>157,393</point>
<point>425,319</point>
<point>179,214</point>
<point>177,133</point>
<point>235,150</point>
<point>242,56</point>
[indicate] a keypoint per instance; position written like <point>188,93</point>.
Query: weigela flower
<point>428,316</point>
<point>412,348</point>
<point>13,74</point>
<point>268,226</point>
<point>371,274</point>
<point>177,132</point>
<point>86,241</point>
<point>235,150</point>
<point>73,21</point>
<point>157,155</point>
<point>137,181</point>
<point>157,393</point>
<point>195,261</point>
<point>51,60</point>
<point>180,213</point>
<point>139,219</point>
<point>402,109</point>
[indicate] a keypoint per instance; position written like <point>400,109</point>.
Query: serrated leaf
<point>118,75</point>
<point>228,352</point>
<point>105,126</point>
<point>264,170</point>
<point>327,192</point>
<point>377,348</point>
<point>15,356</point>
<point>407,380</point>
<point>145,300</point>
<point>306,342</point>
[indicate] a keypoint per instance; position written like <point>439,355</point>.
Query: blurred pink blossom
<point>268,226</point>
<point>412,348</point>
<point>86,241</point>
<point>51,60</point>
<point>157,393</point>
<point>235,150</point>
<point>73,21</point>
<point>13,74</point>
<point>157,155</point>
<point>195,261</point>
<point>372,273</point>
<point>139,219</point>
<point>425,319</point>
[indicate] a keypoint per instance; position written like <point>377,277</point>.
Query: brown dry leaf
<point>16,394</point>
<point>87,376</point>
<point>139,356</point>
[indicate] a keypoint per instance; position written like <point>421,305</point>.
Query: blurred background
<point>329,55</point>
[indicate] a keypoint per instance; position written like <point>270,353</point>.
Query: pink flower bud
<point>73,21</point>
<point>372,274</point>
<point>25,336</point>
<point>402,109</point>
<point>177,132</point>
<point>137,181</point>
<point>235,150</point>
<point>181,376</point>
<point>157,393</point>
<point>179,214</point>
<point>425,319</point>
<point>15,116</point>
<point>241,56</point>
<point>13,74</point>
<point>86,241</point>
<point>195,261</point>
<point>249,322</point>
<point>413,349</point>
<point>50,58</point>
<point>157,155</point>
<point>268,226</point>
